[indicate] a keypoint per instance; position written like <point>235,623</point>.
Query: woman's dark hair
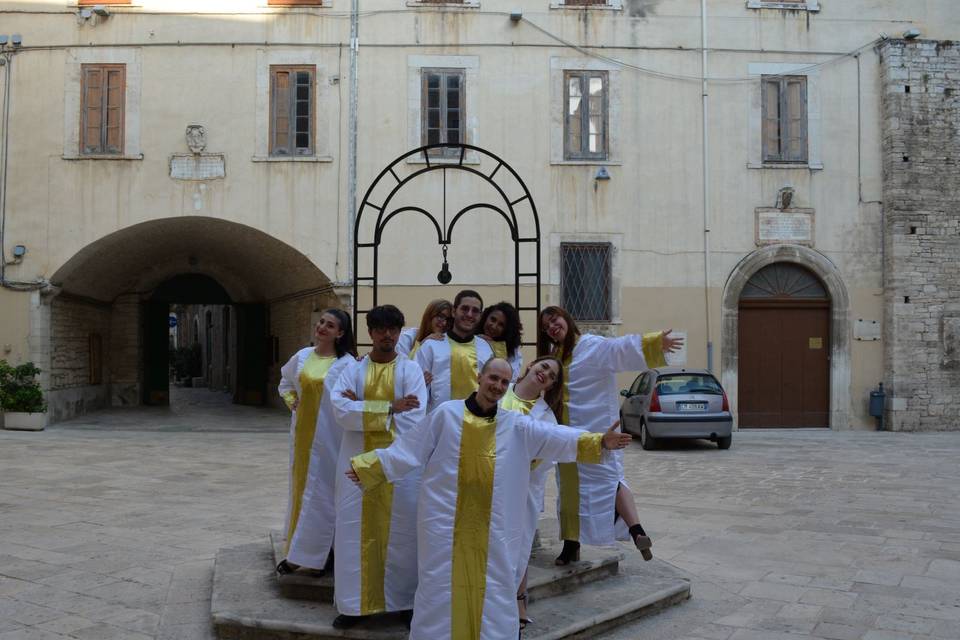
<point>435,308</point>
<point>554,395</point>
<point>545,344</point>
<point>347,343</point>
<point>385,316</point>
<point>512,328</point>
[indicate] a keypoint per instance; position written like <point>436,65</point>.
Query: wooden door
<point>784,364</point>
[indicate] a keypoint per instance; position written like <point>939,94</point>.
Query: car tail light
<point>655,402</point>
<point>726,403</point>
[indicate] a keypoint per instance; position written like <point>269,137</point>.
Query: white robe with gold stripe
<point>436,356</point>
<point>471,512</point>
<point>587,493</point>
<point>375,573</point>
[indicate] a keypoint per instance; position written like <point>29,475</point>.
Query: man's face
<point>384,338</point>
<point>494,380</point>
<point>466,315</point>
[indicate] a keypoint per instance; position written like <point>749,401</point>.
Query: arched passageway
<point>250,299</point>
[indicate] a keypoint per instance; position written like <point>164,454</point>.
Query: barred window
<point>292,110</point>
<point>443,105</point>
<point>102,104</point>
<point>585,280</point>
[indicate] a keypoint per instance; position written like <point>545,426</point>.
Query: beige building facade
<point>152,144</point>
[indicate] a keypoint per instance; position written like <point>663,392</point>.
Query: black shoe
<point>407,617</point>
<point>569,553</point>
<point>286,568</point>
<point>346,622</point>
<point>642,541</point>
<point>328,565</point>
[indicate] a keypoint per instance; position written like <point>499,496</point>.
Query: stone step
<point>544,578</point>
<point>247,602</point>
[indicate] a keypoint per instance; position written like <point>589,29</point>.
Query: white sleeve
<point>350,413</point>
<point>288,379</point>
<point>412,384</point>
<point>618,354</point>
<point>413,449</point>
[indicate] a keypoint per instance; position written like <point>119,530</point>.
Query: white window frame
<point>814,115</point>
<point>471,132</point>
<point>611,5</point>
<point>73,81</point>
<point>809,5</point>
<point>325,105</point>
<point>558,66</point>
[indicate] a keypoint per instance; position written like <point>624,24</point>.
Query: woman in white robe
<point>537,393</point>
<point>314,441</point>
<point>500,326</point>
<point>470,518</point>
<point>593,499</point>
<point>435,322</point>
<point>376,400</point>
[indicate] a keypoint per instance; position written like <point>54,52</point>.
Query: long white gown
<point>539,472</point>
<point>376,533</point>
<point>587,493</point>
<point>303,379</point>
<point>313,536</point>
<point>471,513</point>
<point>454,366</point>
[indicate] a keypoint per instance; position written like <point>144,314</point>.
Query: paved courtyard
<point>109,525</point>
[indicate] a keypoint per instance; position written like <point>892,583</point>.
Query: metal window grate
<point>585,280</point>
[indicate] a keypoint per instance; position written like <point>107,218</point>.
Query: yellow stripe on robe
<point>311,378</point>
<point>653,349</point>
<point>568,475</point>
<point>512,402</point>
<point>377,505</point>
<point>499,348</point>
<point>463,369</point>
<point>471,528</point>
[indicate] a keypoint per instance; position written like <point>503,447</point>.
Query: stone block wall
<point>126,356</point>
<point>74,388</point>
<point>921,150</point>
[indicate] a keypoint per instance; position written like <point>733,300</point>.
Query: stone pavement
<point>109,525</point>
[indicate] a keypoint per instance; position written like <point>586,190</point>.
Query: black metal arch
<point>452,161</point>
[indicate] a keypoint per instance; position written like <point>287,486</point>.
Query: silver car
<point>676,403</point>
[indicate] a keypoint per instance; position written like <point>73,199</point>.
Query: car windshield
<point>671,385</point>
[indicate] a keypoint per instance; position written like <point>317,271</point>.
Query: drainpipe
<point>6,59</point>
<point>352,140</point>
<point>706,181</point>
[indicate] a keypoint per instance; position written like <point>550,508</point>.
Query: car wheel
<point>724,443</point>
<point>647,441</point>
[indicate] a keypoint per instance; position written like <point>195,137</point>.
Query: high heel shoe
<point>569,553</point>
<point>286,568</point>
<point>642,541</point>
<point>524,621</point>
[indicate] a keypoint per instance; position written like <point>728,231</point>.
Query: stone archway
<point>826,271</point>
<point>91,337</point>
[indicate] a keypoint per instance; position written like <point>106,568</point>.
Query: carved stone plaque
<point>200,166</point>
<point>793,226</point>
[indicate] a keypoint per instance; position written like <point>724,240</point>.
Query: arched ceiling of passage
<point>251,265</point>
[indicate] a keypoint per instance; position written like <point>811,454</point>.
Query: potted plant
<point>21,397</point>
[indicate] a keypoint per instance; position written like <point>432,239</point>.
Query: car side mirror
<point>625,393</point>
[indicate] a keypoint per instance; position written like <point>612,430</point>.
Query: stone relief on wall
<point>197,165</point>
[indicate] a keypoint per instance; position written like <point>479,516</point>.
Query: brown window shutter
<point>92,110</point>
<point>771,119</point>
<point>796,119</point>
<point>115,89</point>
<point>281,113</point>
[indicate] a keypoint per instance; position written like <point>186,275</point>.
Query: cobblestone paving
<point>108,530</point>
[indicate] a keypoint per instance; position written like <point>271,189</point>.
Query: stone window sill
<point>297,8</point>
<point>470,157</point>
<point>291,159</point>
<point>587,163</point>
<point>612,5</point>
<point>468,4</point>
<point>785,165</point>
<point>138,156</point>
<point>810,5</point>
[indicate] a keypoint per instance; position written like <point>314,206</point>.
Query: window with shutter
<point>585,115</point>
<point>443,107</point>
<point>292,110</point>
<point>784,112</point>
<point>585,280</point>
<point>102,92</point>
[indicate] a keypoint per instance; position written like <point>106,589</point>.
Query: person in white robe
<point>536,393</point>
<point>314,441</point>
<point>500,326</point>
<point>452,364</point>
<point>435,322</point>
<point>594,504</point>
<point>474,456</point>
<point>376,400</point>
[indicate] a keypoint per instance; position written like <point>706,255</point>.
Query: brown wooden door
<point>784,363</point>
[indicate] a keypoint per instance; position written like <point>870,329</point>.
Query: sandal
<point>569,553</point>
<point>524,621</point>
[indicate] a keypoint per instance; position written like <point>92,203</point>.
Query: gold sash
<point>463,368</point>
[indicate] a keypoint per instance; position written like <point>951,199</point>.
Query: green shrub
<point>19,389</point>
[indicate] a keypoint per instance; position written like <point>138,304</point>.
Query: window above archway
<point>784,280</point>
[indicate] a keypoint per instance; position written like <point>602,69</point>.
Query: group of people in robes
<point>417,472</point>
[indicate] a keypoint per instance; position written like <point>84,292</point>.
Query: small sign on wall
<point>793,226</point>
<point>866,329</point>
<point>678,358</point>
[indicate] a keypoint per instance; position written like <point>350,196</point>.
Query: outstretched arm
<point>409,452</point>
<point>568,444</point>
<point>635,352</point>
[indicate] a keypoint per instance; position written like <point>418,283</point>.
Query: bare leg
<point>626,505</point>
<point>522,598</point>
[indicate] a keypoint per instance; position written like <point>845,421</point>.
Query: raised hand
<point>613,439</point>
<point>670,343</point>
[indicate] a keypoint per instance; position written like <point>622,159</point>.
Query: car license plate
<point>691,406</point>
